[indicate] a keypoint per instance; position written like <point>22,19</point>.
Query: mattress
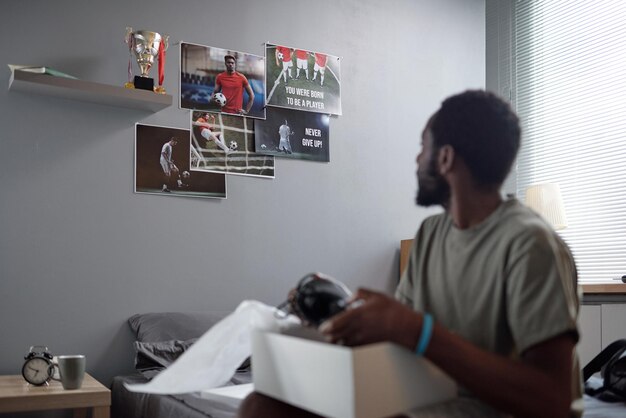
<point>126,404</point>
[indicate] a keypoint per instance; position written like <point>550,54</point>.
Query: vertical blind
<point>570,82</point>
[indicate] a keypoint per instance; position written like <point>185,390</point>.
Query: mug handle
<point>51,371</point>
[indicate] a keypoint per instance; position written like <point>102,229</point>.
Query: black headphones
<point>316,298</point>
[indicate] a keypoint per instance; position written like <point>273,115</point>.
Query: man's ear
<point>445,159</point>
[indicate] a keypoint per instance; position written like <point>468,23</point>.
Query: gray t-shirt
<point>505,285</point>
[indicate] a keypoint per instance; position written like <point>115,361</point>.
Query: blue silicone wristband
<point>427,333</point>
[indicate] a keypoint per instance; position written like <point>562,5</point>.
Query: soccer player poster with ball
<point>293,134</point>
<point>223,143</point>
<point>222,81</point>
<point>302,80</point>
<point>162,165</point>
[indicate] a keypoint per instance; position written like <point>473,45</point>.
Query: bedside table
<point>16,396</point>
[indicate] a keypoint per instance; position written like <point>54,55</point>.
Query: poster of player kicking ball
<point>162,165</point>
<point>225,144</point>
<point>293,134</point>
<point>302,80</point>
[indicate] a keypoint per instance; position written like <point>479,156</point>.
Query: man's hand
<point>377,318</point>
<point>243,112</point>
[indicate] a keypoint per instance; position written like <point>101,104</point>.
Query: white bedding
<point>595,408</point>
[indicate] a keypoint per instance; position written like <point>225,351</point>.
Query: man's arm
<point>537,385</point>
<point>250,98</point>
<point>218,85</point>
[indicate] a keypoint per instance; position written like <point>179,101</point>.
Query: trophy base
<point>144,83</point>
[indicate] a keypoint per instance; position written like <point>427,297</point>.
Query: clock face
<point>36,371</point>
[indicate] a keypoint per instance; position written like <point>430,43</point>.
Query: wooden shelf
<point>604,288</point>
<point>68,88</point>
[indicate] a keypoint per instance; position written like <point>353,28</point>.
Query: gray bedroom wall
<point>80,252</point>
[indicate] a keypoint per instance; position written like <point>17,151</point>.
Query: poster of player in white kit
<point>302,80</point>
<point>162,165</point>
<point>293,134</point>
<point>222,80</point>
<point>225,144</point>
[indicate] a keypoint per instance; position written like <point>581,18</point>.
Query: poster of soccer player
<point>221,80</point>
<point>293,134</point>
<point>225,144</point>
<point>162,165</point>
<point>302,80</point>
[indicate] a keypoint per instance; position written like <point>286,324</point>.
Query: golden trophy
<point>145,46</point>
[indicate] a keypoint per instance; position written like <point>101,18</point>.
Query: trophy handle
<point>127,37</point>
<point>166,42</point>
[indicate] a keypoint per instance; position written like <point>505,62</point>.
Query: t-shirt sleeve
<point>542,300</point>
<point>218,80</point>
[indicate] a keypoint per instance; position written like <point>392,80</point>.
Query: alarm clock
<point>37,368</point>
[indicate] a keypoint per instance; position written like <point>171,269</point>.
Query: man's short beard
<point>432,188</point>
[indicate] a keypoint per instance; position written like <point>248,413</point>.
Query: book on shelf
<point>40,70</point>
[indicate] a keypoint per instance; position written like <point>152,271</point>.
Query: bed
<point>162,337</point>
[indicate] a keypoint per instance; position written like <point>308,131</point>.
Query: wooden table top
<point>17,395</point>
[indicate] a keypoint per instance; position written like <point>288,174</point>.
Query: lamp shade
<point>546,200</point>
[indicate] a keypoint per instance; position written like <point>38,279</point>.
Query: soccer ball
<point>280,56</point>
<point>233,145</point>
<point>186,175</point>
<point>220,99</point>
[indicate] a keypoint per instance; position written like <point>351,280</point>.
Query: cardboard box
<point>371,381</point>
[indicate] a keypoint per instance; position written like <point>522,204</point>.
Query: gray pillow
<point>167,326</point>
<point>152,357</point>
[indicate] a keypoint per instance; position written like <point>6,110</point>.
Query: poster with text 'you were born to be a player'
<point>302,80</point>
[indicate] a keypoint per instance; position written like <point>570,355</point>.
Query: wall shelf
<point>604,288</point>
<point>88,91</point>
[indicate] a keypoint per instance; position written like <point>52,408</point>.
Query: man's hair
<point>483,130</point>
<point>173,138</point>
<point>226,57</point>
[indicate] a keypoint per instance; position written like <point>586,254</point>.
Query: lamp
<point>546,200</point>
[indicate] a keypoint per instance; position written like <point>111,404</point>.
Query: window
<point>570,94</point>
